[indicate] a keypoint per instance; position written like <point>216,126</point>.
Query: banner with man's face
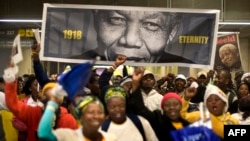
<point>147,36</point>
<point>227,56</point>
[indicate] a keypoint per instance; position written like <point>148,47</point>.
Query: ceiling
<point>244,30</point>
<point>229,10</point>
<point>13,25</point>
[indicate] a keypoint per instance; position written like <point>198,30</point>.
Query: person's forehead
<point>202,76</point>
<point>94,105</point>
<point>115,100</point>
<point>243,85</point>
<point>144,14</point>
<point>180,80</point>
<point>148,76</point>
<point>228,47</point>
<point>171,99</point>
<point>214,96</point>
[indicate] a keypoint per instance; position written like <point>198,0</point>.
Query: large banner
<point>228,53</point>
<point>147,36</point>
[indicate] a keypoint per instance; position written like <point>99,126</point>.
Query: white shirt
<point>152,100</point>
<point>66,134</point>
<point>2,102</point>
<point>239,117</point>
<point>33,103</point>
<point>128,131</point>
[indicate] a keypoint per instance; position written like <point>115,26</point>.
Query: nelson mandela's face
<point>139,35</point>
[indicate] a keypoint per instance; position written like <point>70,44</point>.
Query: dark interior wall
<point>4,59</point>
<point>231,10</point>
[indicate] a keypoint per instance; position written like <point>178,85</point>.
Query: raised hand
<point>10,73</point>
<point>138,73</point>
<point>35,48</point>
<point>136,76</point>
<point>189,93</point>
<point>120,59</point>
<point>210,73</point>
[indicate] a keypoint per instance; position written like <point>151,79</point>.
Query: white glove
<point>58,91</point>
<point>10,74</point>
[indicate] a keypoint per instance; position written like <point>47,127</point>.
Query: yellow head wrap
<point>48,86</point>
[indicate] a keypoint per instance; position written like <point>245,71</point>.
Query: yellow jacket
<point>218,122</point>
<point>10,132</point>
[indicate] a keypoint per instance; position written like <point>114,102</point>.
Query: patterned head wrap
<point>82,103</point>
<point>115,91</point>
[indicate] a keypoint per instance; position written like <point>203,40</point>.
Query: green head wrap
<point>82,103</point>
<point>115,91</point>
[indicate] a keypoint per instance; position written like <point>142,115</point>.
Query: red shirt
<point>32,115</point>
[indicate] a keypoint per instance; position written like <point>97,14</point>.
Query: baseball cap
<point>201,73</point>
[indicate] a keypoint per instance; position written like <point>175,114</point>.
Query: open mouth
<point>118,115</point>
<point>172,113</point>
<point>214,108</point>
<point>96,122</point>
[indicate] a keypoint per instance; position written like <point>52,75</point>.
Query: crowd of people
<point>136,107</point>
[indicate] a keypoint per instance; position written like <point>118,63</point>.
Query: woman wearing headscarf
<point>217,104</point>
<point>125,126</point>
<point>105,77</point>
<point>90,112</point>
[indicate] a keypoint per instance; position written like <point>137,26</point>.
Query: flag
<point>75,80</point>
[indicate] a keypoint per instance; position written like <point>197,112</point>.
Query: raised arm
<point>192,116</point>
<point>45,125</point>
<point>135,102</point>
<point>41,75</point>
<point>18,108</point>
<point>107,73</point>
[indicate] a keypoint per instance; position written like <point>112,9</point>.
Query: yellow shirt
<point>177,125</point>
<point>218,122</point>
<point>10,132</point>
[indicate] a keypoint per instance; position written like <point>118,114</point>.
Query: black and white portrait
<point>144,35</point>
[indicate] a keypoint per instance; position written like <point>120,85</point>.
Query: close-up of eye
<point>117,20</point>
<point>151,26</point>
